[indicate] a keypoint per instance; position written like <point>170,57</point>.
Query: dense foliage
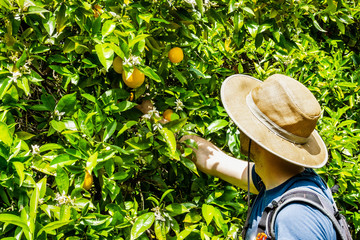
<point>66,115</point>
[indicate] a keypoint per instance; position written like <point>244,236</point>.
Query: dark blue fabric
<point>295,221</point>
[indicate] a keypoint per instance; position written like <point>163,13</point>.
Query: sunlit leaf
<point>5,135</point>
<point>141,224</point>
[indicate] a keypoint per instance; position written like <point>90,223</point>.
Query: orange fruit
<point>167,114</point>
<point>118,64</point>
<point>88,180</point>
<point>97,10</point>
<point>135,80</point>
<point>176,55</point>
<point>131,98</point>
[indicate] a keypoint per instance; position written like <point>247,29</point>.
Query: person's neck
<point>275,171</point>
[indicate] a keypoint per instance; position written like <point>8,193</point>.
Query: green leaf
<point>63,160</point>
<point>109,130</point>
<point>50,227</point>
<point>105,55</point>
<point>170,139</point>
<point>4,86</point>
<point>125,127</point>
<point>24,135</point>
<point>142,223</point>
<point>34,202</point>
<point>192,217</point>
<point>331,6</point>
<point>35,9</point>
<point>176,125</point>
<point>219,220</point>
<point>125,105</point>
<point>20,171</point>
<point>200,6</point>
<point>184,233</point>
<point>160,230</point>
<point>50,146</point>
<point>5,135</point>
<point>108,28</point>
<point>13,219</point>
<point>61,18</point>
<point>136,143</point>
<point>252,28</point>
<point>61,70</point>
<point>175,209</point>
<point>91,162</point>
<point>137,39</point>
<point>317,26</point>
<point>216,125</point>
<point>151,74</point>
<point>165,194</point>
<point>180,77</point>
<point>66,103</point>
<point>21,60</point>
<point>62,180</point>
<point>340,25</point>
<point>190,165</point>
<point>248,10</point>
<point>5,4</point>
<point>58,126</point>
<point>41,185</point>
<point>208,213</point>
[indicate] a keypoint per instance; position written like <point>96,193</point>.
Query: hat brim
<point>234,90</point>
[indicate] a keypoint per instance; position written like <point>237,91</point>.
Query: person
<point>277,119</point>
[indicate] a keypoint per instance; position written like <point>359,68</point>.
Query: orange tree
<point>81,157</point>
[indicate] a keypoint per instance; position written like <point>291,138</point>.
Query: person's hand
<point>207,154</point>
<point>211,160</point>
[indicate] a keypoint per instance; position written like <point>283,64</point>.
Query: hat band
<point>271,125</point>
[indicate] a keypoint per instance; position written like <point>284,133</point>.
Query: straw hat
<point>279,114</point>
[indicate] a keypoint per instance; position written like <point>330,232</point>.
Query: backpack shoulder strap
<point>309,197</point>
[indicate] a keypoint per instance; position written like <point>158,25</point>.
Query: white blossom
<point>191,2</point>
<point>179,105</point>
<point>151,113</point>
<point>15,76</point>
<point>158,215</point>
<point>64,199</point>
<point>58,114</point>
<point>35,149</point>
<point>14,58</point>
<point>132,61</point>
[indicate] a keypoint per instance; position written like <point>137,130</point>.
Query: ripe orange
<point>167,114</point>
<point>176,55</point>
<point>131,98</point>
<point>97,10</point>
<point>88,180</point>
<point>135,80</point>
<point>118,64</point>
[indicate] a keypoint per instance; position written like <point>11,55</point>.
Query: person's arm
<point>211,160</point>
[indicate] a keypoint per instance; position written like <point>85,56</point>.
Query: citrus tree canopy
<point>86,151</point>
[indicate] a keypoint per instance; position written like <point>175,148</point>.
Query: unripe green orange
<point>118,65</point>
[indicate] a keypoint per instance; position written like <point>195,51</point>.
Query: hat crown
<point>288,104</point>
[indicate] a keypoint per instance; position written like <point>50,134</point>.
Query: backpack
<point>302,195</point>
